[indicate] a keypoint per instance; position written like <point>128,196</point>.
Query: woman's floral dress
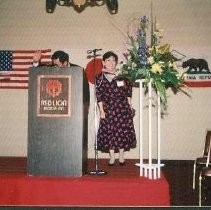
<point>116,131</point>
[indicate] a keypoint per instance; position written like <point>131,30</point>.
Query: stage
<point>121,186</point>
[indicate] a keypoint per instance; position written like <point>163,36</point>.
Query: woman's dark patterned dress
<point>116,131</point>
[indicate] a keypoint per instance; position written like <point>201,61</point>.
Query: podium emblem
<point>53,87</point>
<point>54,93</point>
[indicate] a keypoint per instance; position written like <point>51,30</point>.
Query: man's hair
<point>110,54</point>
<point>61,55</point>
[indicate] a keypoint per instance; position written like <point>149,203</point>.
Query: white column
<point>150,128</point>
<point>141,125</point>
<point>159,133</point>
<point>150,170</point>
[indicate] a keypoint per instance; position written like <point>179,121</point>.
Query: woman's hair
<point>110,54</point>
<point>61,55</point>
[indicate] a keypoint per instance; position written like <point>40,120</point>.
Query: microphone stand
<point>96,171</point>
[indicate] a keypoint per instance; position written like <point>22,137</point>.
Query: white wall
<point>24,24</point>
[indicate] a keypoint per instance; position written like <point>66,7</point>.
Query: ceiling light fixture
<point>80,5</point>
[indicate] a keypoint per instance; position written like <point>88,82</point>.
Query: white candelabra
<point>151,169</point>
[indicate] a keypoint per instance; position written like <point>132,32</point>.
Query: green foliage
<point>161,66</point>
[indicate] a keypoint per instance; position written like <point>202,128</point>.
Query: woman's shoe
<point>122,163</point>
<point>111,162</point>
<point>112,158</point>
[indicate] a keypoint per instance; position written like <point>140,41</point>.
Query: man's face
<point>56,62</point>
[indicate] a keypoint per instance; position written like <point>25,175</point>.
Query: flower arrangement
<point>155,63</point>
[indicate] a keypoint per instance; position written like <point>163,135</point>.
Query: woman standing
<point>116,132</point>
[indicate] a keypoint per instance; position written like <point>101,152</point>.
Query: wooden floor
<point>178,174</point>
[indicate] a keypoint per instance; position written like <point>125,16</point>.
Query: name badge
<point>120,83</point>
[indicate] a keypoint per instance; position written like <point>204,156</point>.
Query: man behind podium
<point>61,60</point>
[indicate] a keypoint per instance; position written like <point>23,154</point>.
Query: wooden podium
<point>57,121</point>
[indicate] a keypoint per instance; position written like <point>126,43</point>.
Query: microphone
<point>93,51</point>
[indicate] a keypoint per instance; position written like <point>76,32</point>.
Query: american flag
<point>14,67</point>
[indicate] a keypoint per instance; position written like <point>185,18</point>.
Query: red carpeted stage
<point>122,186</point>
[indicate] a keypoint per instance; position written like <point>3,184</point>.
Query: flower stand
<point>151,169</point>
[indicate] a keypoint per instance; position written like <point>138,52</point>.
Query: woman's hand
<point>102,114</point>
